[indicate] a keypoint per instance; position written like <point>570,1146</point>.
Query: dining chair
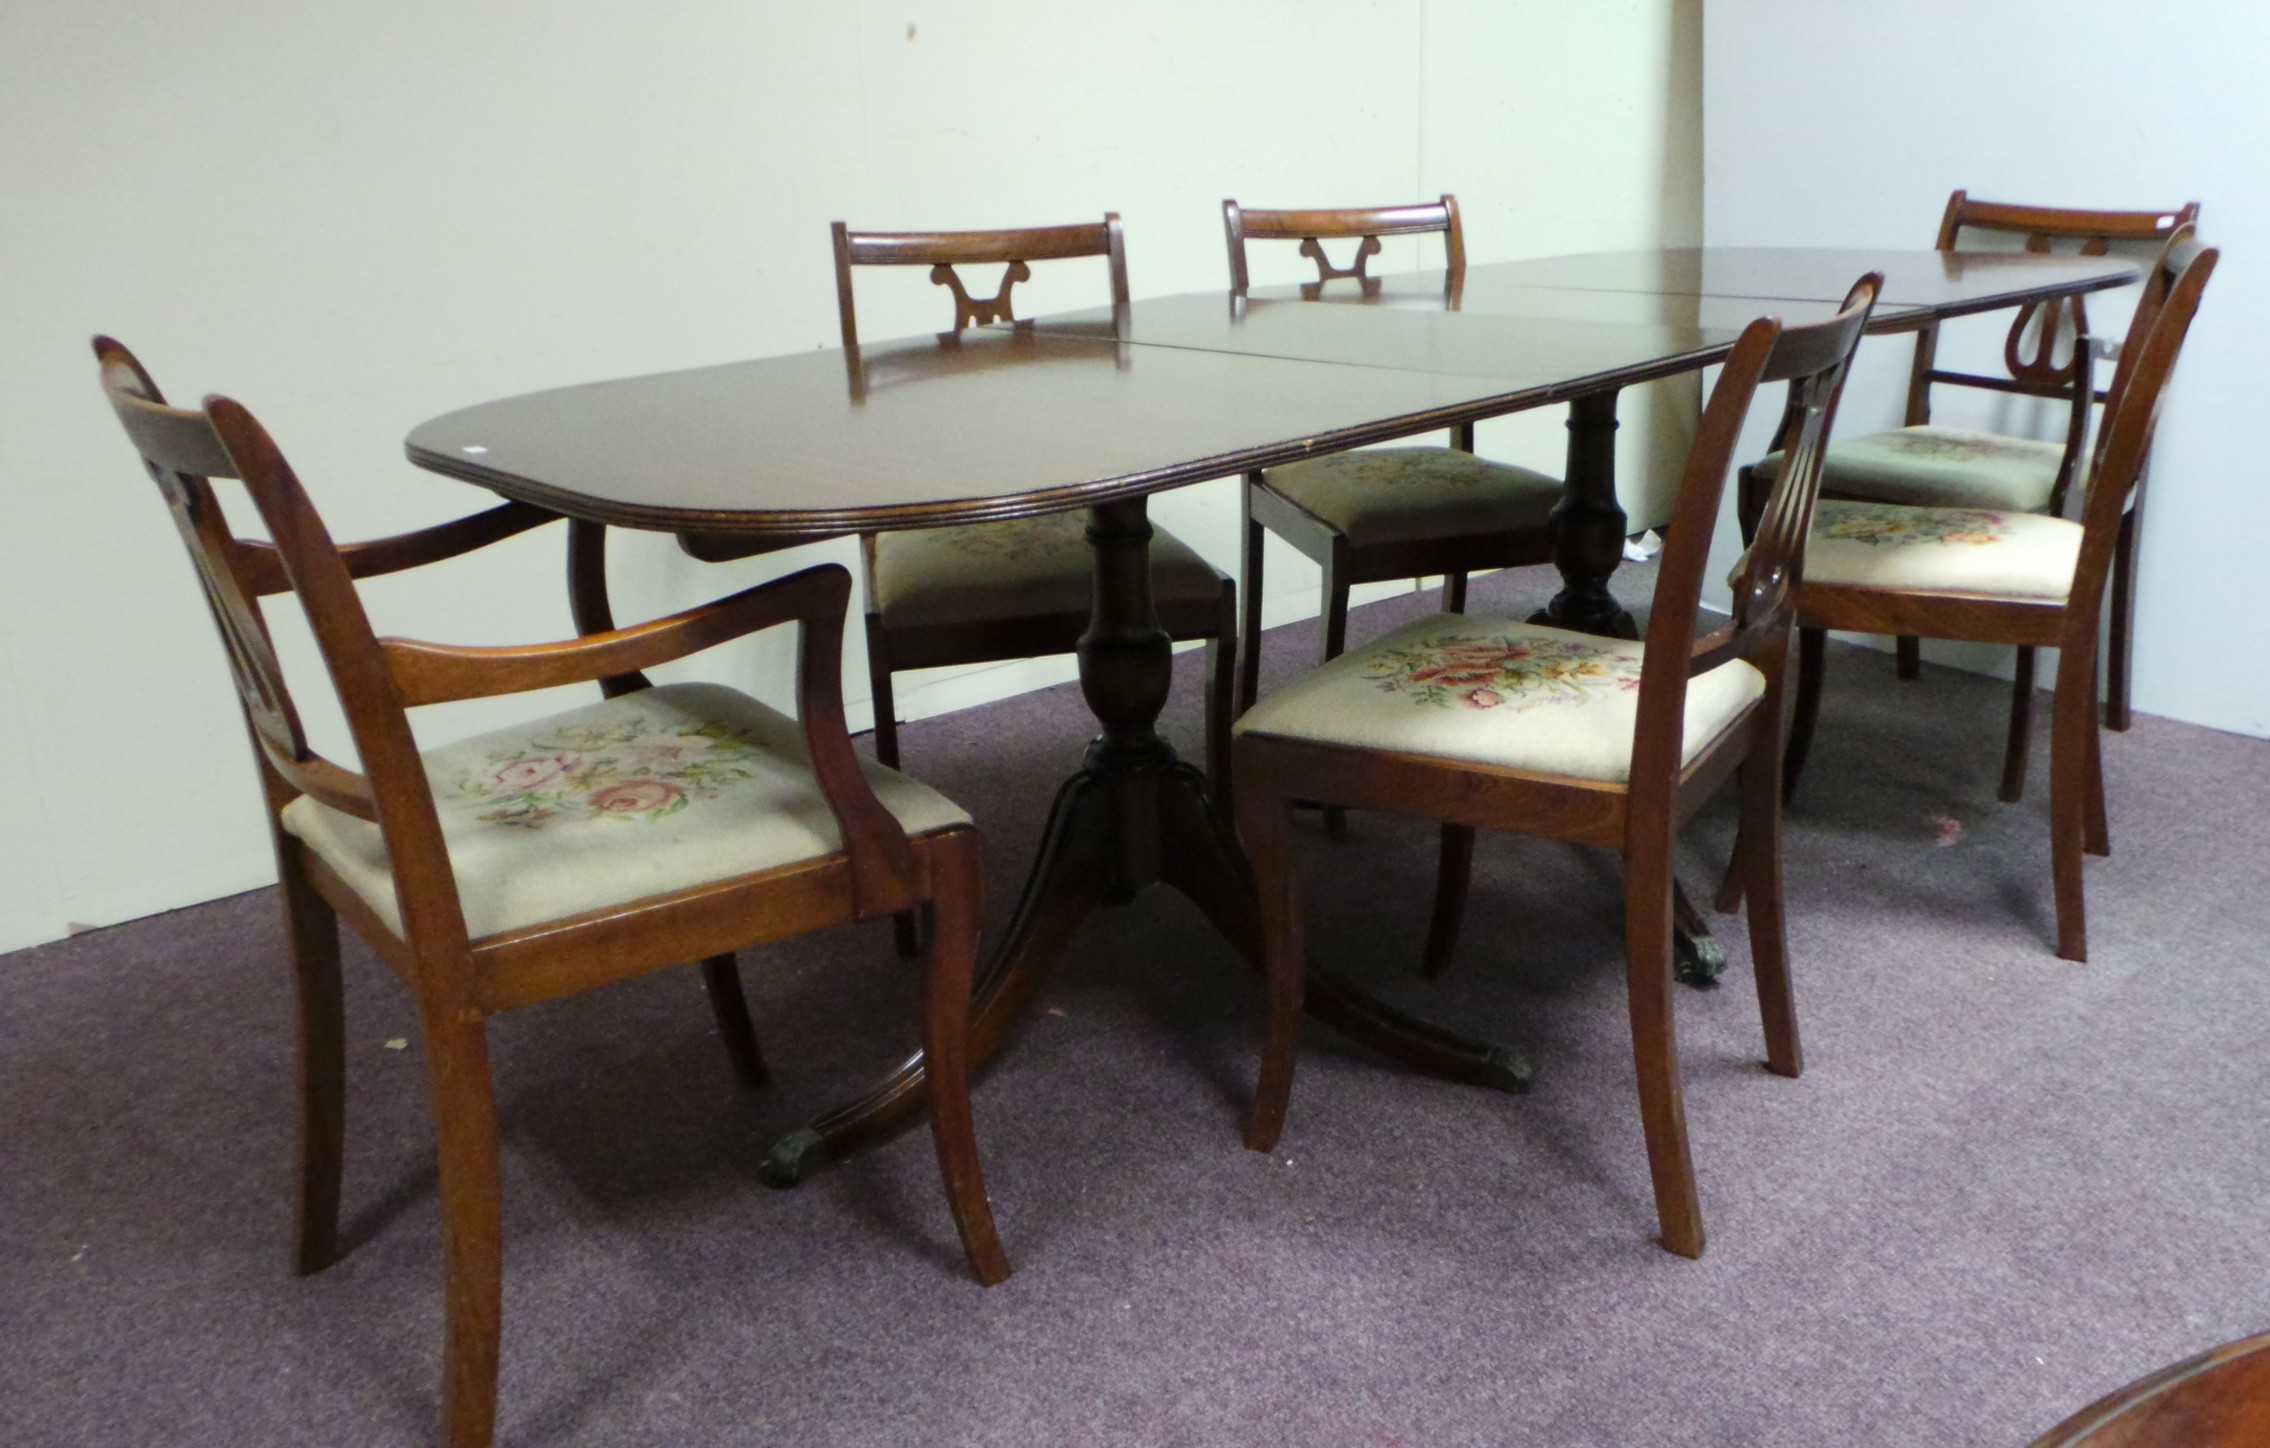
<point>1018,589</point>
<point>1487,723</point>
<point>1923,463</point>
<point>658,826</point>
<point>1381,513</point>
<point>1989,575</point>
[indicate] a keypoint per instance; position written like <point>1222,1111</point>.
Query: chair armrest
<point>263,567</point>
<point>431,673</point>
<point>882,861</point>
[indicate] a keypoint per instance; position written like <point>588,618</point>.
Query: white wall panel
<point>1833,125</point>
<point>353,218</point>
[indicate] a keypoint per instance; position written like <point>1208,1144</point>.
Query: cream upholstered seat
<point>1950,467</point>
<point>1413,494</point>
<point>1942,550</point>
<point>635,797</point>
<point>1016,569</point>
<point>1493,691</point>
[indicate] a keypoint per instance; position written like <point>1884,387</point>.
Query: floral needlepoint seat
<point>1017,569</point>
<point>1518,695</point>
<point>638,796</point>
<point>1411,494</point>
<point>1942,550</point>
<point>1940,466</point>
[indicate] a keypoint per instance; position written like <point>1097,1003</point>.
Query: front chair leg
<point>2072,721</point>
<point>1454,868</point>
<point>1264,823</point>
<point>472,1234</point>
<point>1909,652</point>
<point>721,981</point>
<point>1655,1047</point>
<point>957,875</point>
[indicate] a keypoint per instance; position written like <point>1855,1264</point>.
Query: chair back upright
<point>1367,223</point>
<point>942,251</point>
<point>2038,330</point>
<point>184,450</point>
<point>1813,359</point>
<point>2147,360</point>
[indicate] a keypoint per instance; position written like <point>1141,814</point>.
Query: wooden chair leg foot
<point>458,1075</point>
<point>1655,1050</point>
<point>1909,652</point>
<point>957,875</point>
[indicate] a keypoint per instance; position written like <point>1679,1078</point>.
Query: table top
<point>1073,411</point>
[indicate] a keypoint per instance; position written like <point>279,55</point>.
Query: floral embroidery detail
<point>633,767</point>
<point>1021,540</point>
<point>1949,447</point>
<point>1491,673</point>
<point>1886,524</point>
<point>1412,467</point>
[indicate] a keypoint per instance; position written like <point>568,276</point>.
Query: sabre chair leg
<point>721,981</point>
<point>1264,824</point>
<point>313,930</point>
<point>1453,870</point>
<point>1655,1048</point>
<point>2021,727</point>
<point>2072,720</point>
<point>465,1129</point>
<point>949,966</point>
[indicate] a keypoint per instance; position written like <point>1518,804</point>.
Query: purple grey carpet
<point>2005,1184</point>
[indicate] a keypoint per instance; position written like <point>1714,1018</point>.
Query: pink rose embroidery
<point>1484,698</point>
<point>634,796</point>
<point>528,774</point>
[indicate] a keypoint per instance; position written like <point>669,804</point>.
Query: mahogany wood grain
<point>2219,1399</point>
<point>457,981</point>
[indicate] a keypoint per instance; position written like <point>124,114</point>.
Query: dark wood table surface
<point>1099,410</point>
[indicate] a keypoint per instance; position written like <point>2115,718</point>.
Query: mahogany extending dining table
<point>1100,410</point>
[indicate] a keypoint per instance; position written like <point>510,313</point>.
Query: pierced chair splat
<point>1495,724</point>
<point>654,827</point>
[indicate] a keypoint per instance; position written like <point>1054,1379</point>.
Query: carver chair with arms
<point>2002,576</point>
<point>1381,513</point>
<point>1483,723</point>
<point>656,827</point>
<point>1926,464</point>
